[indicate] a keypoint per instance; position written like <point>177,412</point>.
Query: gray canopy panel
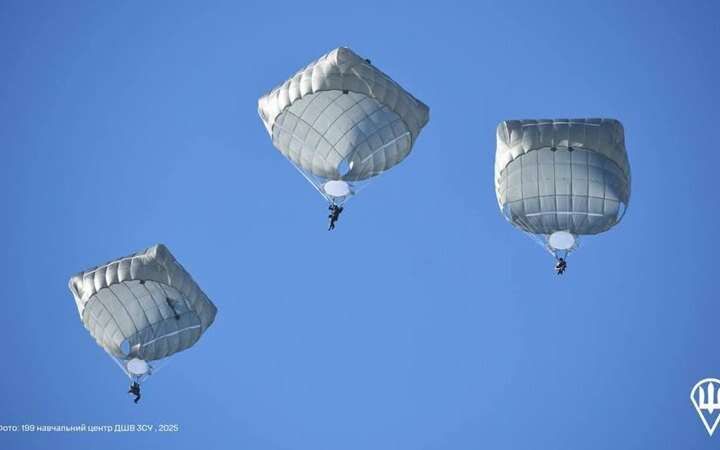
<point>562,174</point>
<point>342,118</point>
<point>142,306</point>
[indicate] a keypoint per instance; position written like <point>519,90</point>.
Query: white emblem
<point>705,397</point>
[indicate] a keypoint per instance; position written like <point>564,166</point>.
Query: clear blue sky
<point>425,321</point>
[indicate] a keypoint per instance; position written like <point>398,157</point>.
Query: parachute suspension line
<point>122,367</point>
<point>524,224</point>
<point>309,180</point>
<point>526,227</point>
<point>137,378</point>
<point>546,246</point>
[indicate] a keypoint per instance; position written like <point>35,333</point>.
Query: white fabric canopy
<point>142,306</point>
<point>562,174</point>
<point>342,118</point>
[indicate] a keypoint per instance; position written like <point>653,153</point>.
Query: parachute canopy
<point>142,307</point>
<point>340,121</point>
<point>562,178</point>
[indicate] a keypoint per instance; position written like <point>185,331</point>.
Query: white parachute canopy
<point>560,179</point>
<point>341,121</point>
<point>143,307</point>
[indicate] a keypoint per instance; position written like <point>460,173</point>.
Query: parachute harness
<point>334,214</point>
<point>135,390</point>
<point>561,265</point>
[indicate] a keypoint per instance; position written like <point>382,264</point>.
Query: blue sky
<point>425,321</point>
